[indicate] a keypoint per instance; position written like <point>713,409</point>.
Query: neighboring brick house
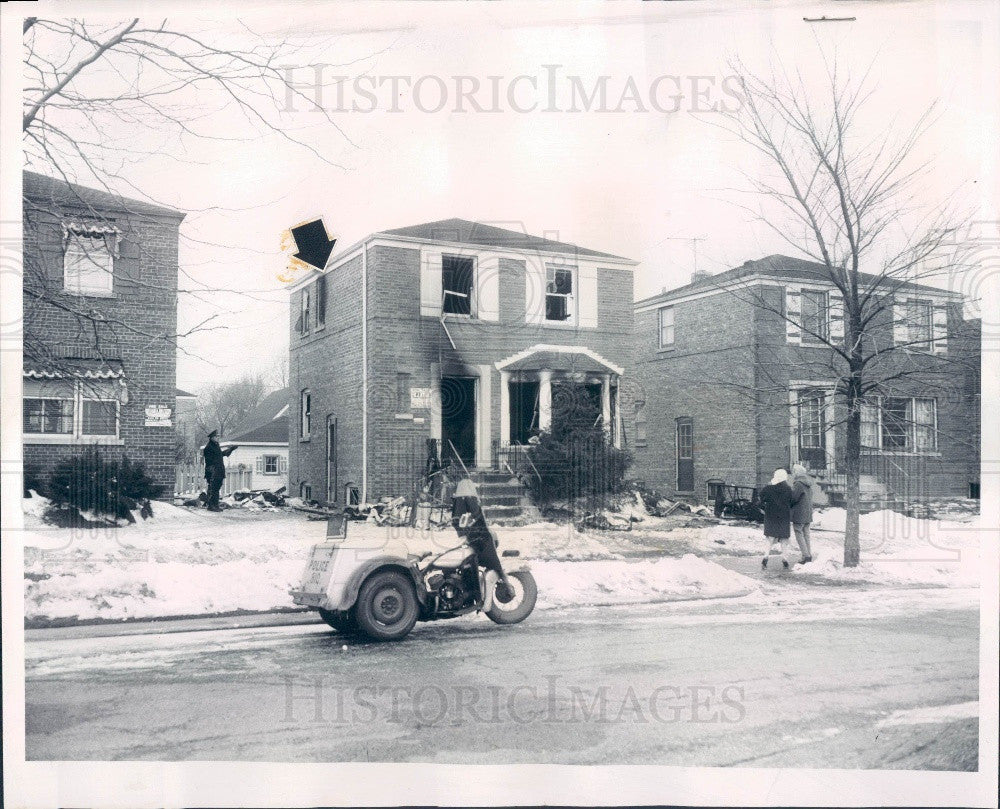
<point>261,441</point>
<point>453,331</point>
<point>100,318</point>
<point>734,384</point>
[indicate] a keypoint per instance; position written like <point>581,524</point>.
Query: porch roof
<point>558,358</point>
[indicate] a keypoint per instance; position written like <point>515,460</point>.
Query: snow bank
<point>601,583</point>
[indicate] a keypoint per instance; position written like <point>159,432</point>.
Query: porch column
<point>606,404</point>
<point>545,400</point>
<point>504,408</point>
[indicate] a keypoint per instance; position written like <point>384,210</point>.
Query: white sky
<point>634,184</point>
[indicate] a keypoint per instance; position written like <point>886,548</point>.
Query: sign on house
<point>158,416</point>
<point>420,398</point>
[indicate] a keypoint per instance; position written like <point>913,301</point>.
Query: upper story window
<point>815,316</point>
<point>305,414</point>
<point>306,310</point>
<point>457,274</point>
<point>920,325</point>
<point>321,302</point>
<point>559,284</point>
<point>89,260</point>
<point>666,328</point>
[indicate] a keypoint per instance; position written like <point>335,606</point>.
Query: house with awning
<point>462,337</point>
<point>100,323</point>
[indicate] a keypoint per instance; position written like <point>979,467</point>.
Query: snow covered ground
<point>192,562</point>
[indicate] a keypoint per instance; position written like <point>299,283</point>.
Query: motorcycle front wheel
<point>516,606</point>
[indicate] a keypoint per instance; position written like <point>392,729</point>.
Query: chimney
<point>699,275</point>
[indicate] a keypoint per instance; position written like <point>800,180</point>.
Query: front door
<point>812,428</point>
<point>458,418</point>
<point>685,454</point>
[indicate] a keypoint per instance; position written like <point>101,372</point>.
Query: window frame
<point>661,326</point>
<point>75,236</point>
<point>305,414</point>
<point>277,464</point>
<point>819,336</point>
<point>320,302</point>
<point>909,424</point>
<point>305,305</point>
<point>923,344</point>
<point>77,398</point>
<point>448,294</point>
<point>569,298</point>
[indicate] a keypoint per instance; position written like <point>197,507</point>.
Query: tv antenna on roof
<point>694,245</point>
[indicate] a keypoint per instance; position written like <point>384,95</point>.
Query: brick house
<point>454,331</point>
<point>734,384</point>
<point>100,318</point>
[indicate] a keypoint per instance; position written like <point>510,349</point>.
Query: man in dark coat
<point>777,500</point>
<point>215,468</point>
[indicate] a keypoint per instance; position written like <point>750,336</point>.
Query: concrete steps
<point>501,495</point>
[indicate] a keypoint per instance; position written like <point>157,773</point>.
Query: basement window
<point>456,284</point>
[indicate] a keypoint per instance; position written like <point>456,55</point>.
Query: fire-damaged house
<point>737,375</point>
<point>451,336</point>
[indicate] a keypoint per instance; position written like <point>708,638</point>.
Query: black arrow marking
<point>314,246</point>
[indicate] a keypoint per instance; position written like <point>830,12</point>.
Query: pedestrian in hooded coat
<point>215,468</point>
<point>802,511</point>
<point>777,500</point>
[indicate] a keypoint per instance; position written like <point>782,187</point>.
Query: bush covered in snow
<point>91,482</point>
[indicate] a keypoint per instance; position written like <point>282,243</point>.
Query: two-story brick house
<point>736,380</point>
<point>454,331</point>
<point>100,319</point>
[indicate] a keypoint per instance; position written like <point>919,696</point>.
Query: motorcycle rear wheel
<point>520,605</point>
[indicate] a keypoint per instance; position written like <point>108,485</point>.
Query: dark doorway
<point>812,428</point>
<point>458,418</point>
<point>685,455</point>
<point>331,459</point>
<point>523,411</point>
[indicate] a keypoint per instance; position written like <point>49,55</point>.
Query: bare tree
<point>224,405</point>
<point>841,197</point>
<point>100,97</point>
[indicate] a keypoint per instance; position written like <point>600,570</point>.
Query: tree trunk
<point>852,543</point>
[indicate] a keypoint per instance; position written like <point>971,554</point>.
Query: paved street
<point>795,676</point>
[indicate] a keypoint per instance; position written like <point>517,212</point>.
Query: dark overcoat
<point>777,501</point>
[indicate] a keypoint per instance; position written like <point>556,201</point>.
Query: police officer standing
<point>215,468</point>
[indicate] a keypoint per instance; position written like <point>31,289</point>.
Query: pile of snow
<point>601,583</point>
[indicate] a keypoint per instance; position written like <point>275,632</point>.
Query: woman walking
<point>777,500</point>
<point>802,511</point>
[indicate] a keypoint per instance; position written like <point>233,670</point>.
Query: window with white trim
<point>457,276</point>
<point>666,326</point>
<point>305,413</point>
<point>815,318</point>
<point>899,424</point>
<point>88,262</point>
<point>269,465</point>
<point>305,310</point>
<point>75,410</point>
<point>920,324</point>
<point>559,286</point>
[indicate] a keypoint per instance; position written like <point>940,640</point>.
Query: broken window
<point>456,282</point>
<point>305,310</point>
<point>558,293</point>
<point>815,316</point>
<point>321,302</point>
